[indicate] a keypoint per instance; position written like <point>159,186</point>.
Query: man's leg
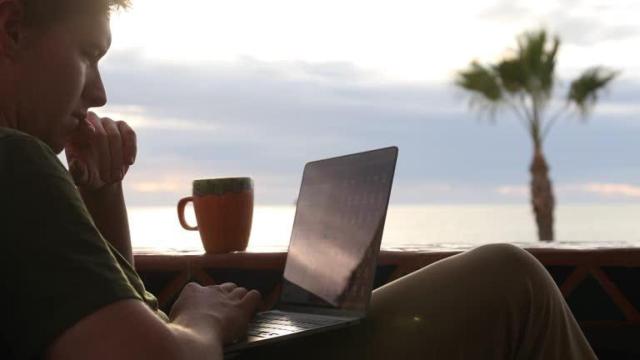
<point>493,302</point>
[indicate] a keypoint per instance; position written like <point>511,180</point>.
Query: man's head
<point>43,12</point>
<point>49,53</point>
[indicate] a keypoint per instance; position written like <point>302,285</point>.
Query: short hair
<point>44,12</point>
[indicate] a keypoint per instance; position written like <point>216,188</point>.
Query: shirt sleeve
<point>56,267</point>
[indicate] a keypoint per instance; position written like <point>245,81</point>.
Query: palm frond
<point>538,59</point>
<point>531,49</point>
<point>548,68</point>
<point>480,80</point>
<point>511,75</point>
<point>584,90</point>
<point>484,87</point>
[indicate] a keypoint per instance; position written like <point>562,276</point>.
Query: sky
<point>258,88</point>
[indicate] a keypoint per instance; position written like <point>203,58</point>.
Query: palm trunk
<point>542,195</point>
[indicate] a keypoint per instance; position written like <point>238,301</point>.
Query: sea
<point>414,227</point>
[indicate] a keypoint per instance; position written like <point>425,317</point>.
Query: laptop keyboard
<point>270,324</point>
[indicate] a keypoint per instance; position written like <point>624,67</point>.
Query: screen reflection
<point>337,230</point>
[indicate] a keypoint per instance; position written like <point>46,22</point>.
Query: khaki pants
<point>493,302</point>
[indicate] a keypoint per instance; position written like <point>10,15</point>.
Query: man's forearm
<point>196,343</point>
<point>109,213</point>
<point>129,330</point>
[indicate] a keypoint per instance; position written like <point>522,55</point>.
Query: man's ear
<point>11,21</point>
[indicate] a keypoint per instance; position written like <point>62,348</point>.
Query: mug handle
<point>181,204</point>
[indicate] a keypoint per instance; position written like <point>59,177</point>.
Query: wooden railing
<point>602,286</point>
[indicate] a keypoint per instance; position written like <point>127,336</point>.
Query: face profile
<point>55,76</point>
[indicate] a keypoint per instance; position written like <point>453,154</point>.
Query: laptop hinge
<point>319,311</point>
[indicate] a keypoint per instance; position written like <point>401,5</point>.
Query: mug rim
<point>219,186</point>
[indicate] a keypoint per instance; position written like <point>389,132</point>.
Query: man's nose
<point>94,93</point>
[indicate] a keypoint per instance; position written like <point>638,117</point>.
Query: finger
<point>251,301</point>
<point>115,149</point>
<point>102,167</point>
<point>87,127</point>
<point>83,133</point>
<point>90,123</point>
<point>79,173</point>
<point>129,142</point>
<point>80,141</point>
<point>227,287</point>
<point>238,293</point>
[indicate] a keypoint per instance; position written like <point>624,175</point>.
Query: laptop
<point>335,240</point>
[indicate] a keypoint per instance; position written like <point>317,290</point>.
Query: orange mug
<point>224,210</point>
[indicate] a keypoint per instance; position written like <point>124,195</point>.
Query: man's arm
<point>123,330</point>
<point>99,155</point>
<point>203,320</point>
<point>108,210</point>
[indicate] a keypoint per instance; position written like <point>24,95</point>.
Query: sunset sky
<point>257,88</point>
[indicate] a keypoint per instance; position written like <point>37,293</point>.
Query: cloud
<point>619,109</point>
<point>162,186</point>
<point>577,22</point>
<point>513,190</point>
<point>612,189</point>
<point>139,118</point>
<point>505,10</point>
<point>588,30</point>
<point>266,119</point>
<point>261,105</point>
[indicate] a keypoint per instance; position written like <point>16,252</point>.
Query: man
<point>82,296</point>
<point>70,291</point>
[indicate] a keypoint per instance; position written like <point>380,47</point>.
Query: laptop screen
<point>337,230</point>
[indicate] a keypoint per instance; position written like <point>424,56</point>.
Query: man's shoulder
<point>22,151</point>
<point>6,132</point>
<point>15,138</point>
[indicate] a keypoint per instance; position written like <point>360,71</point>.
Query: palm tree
<point>524,82</point>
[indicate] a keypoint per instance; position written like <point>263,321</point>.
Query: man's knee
<point>510,263</point>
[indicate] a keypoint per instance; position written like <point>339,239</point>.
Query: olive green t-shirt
<point>55,266</point>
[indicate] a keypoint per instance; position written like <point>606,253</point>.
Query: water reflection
<point>411,227</point>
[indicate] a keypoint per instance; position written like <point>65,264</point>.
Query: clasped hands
<point>100,152</point>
